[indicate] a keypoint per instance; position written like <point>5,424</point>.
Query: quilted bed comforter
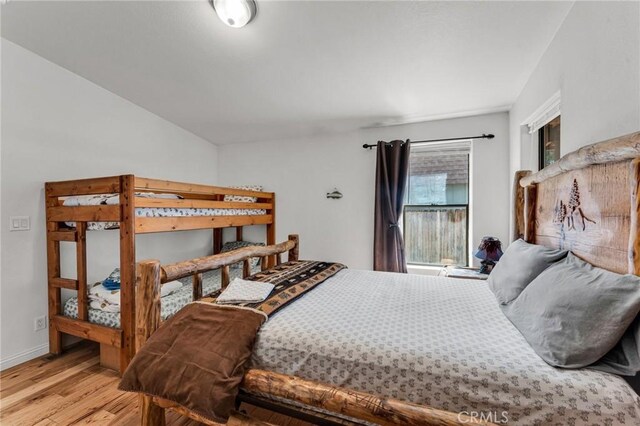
<point>437,341</point>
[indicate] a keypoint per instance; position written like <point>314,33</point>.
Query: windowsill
<point>424,269</point>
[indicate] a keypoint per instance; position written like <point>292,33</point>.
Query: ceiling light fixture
<point>235,13</point>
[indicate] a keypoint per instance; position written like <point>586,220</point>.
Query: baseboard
<point>25,356</point>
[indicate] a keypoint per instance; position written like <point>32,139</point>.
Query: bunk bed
<point>134,205</point>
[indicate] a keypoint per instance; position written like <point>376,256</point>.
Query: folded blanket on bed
<point>197,358</point>
<point>109,300</point>
<point>245,291</point>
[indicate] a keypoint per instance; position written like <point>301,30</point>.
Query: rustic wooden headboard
<point>587,202</point>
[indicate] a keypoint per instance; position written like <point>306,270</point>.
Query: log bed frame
<point>117,345</point>
<point>588,202</point>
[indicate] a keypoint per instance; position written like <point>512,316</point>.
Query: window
<point>549,143</point>
<point>544,127</point>
<point>436,212</point>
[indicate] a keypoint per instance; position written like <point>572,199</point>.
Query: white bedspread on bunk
<point>113,199</point>
<point>437,341</point>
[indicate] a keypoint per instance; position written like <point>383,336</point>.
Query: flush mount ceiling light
<point>235,13</point>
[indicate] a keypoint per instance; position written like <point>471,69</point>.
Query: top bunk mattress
<point>113,199</point>
<point>433,341</point>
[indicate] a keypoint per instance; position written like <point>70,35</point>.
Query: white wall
<point>594,60</point>
<point>57,126</point>
<point>302,171</point>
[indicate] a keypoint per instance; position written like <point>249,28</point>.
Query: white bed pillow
<point>520,264</point>
<point>243,198</point>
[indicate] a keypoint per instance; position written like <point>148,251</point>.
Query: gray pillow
<point>520,264</point>
<point>574,313</point>
<point>624,358</point>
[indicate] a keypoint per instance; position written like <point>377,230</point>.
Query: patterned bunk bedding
<point>113,199</point>
<point>434,341</point>
<point>169,304</point>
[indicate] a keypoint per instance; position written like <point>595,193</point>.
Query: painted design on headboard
<point>568,211</point>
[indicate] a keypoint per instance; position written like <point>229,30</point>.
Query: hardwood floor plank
<point>79,387</point>
<point>123,402</point>
<point>46,422</point>
<point>46,383</point>
<point>4,392</point>
<point>80,408</point>
<point>99,418</point>
<point>127,418</point>
<point>72,389</point>
<point>44,367</point>
<point>36,411</point>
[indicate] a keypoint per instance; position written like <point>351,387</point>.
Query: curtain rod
<point>484,136</point>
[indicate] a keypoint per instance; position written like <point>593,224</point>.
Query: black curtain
<point>392,169</point>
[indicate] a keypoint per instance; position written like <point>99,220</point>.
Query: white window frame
<point>546,112</point>
<point>421,268</point>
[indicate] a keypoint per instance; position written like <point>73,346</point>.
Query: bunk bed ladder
<point>54,236</point>
<point>56,282</point>
<point>116,345</point>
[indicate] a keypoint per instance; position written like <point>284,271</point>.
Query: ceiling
<point>301,67</point>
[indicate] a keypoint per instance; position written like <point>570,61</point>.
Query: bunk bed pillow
<point>521,263</point>
<point>243,198</point>
<point>235,245</point>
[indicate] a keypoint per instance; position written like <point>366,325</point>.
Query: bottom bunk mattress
<point>433,341</point>
<point>169,304</point>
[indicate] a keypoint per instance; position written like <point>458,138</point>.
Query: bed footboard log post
<point>530,196</point>
<point>197,287</point>
<point>147,321</point>
<point>150,413</point>
<point>634,225</point>
<point>81,267</point>
<point>246,268</point>
<point>295,251</point>
<point>518,205</point>
<point>349,402</point>
<point>224,273</point>
<point>147,301</point>
<point>127,269</point>
<point>53,271</point>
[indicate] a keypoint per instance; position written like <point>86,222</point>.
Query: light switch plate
<point>19,223</point>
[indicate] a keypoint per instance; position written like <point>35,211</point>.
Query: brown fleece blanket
<point>197,358</point>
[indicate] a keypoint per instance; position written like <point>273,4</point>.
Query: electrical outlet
<point>39,323</point>
<point>19,223</point>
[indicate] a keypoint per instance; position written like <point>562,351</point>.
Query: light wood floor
<point>73,389</point>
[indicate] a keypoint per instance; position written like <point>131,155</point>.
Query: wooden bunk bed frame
<point>611,242</point>
<point>117,345</point>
